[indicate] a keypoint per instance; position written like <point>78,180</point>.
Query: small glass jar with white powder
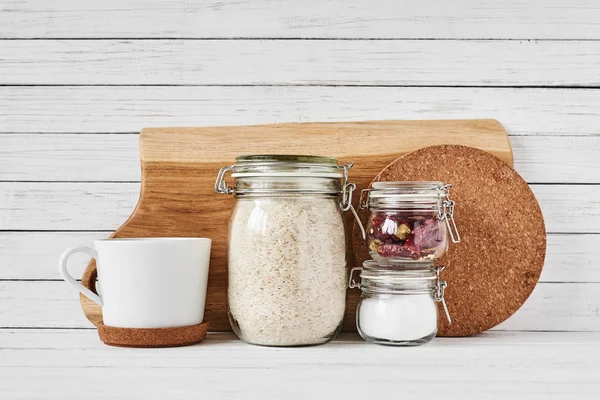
<point>399,303</point>
<point>286,253</point>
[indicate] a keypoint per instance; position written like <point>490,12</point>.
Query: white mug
<point>147,283</point>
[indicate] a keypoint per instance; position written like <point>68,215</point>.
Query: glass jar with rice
<point>287,255</point>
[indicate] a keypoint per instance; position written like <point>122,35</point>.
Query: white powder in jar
<point>287,270</point>
<point>398,317</point>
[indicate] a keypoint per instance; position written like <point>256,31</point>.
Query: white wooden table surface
<point>80,78</point>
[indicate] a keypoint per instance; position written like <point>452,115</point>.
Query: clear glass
<point>400,235</point>
<point>406,221</point>
<point>287,256</point>
<point>397,306</point>
<point>399,319</point>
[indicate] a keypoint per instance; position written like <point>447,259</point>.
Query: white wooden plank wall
<point>353,19</point>
<point>79,79</point>
<point>38,363</point>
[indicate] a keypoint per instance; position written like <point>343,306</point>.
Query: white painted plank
<point>128,109</point>
<point>416,373</point>
<point>87,339</point>
<point>92,157</point>
<point>33,255</point>
<point>71,157</point>
<point>574,19</point>
<point>562,159</point>
<point>493,365</point>
<point>551,307</point>
<point>105,206</point>
<point>569,209</point>
<point>66,206</point>
<point>558,306</point>
<point>544,365</point>
<point>304,62</point>
<point>40,304</point>
<point>572,258</point>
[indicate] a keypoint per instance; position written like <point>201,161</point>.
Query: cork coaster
<point>494,269</point>
<point>152,337</point>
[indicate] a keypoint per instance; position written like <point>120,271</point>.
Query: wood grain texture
<point>33,255</point>
<point>371,140</point>
<point>179,167</point>
<point>492,365</point>
<point>551,307</point>
<point>548,19</point>
<point>114,158</point>
<point>129,109</point>
<point>303,62</point>
<point>105,206</point>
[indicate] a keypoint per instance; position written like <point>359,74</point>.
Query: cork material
<point>152,337</point>
<point>494,269</point>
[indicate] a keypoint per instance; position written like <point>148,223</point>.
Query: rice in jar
<point>286,254</point>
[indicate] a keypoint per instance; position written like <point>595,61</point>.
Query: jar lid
<point>418,194</point>
<point>412,187</point>
<point>288,174</point>
<point>405,265</point>
<point>301,158</point>
<point>408,191</point>
<point>294,165</point>
<point>398,271</point>
<point>377,277</point>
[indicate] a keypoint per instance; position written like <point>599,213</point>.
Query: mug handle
<point>62,268</point>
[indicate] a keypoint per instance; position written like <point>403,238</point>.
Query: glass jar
<point>398,303</point>
<point>287,248</point>
<point>409,220</point>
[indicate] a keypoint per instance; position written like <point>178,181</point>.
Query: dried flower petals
<point>403,231</point>
<point>374,245</point>
<point>406,236</point>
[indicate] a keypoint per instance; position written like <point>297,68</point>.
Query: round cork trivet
<point>495,267</point>
<point>152,337</point>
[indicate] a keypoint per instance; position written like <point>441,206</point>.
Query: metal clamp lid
<point>347,192</point>
<point>438,295</point>
<point>363,203</point>
<point>448,211</point>
<point>352,284</point>
<point>346,203</point>
<point>220,184</point>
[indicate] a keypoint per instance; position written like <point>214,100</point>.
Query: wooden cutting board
<point>179,167</point>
